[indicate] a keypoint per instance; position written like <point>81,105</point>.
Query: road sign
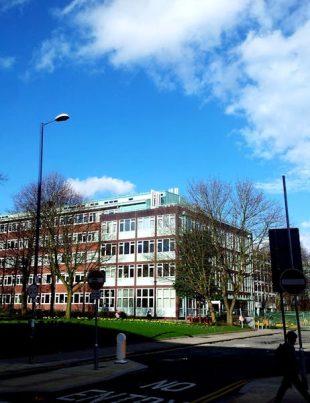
<point>96,279</point>
<point>32,291</point>
<point>95,294</point>
<point>293,281</point>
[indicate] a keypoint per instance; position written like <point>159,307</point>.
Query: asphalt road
<point>191,374</point>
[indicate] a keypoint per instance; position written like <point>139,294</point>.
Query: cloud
<point>6,5</point>
<point>6,62</point>
<point>305,240</point>
<point>94,186</point>
<point>305,224</point>
<point>254,57</point>
<point>52,53</point>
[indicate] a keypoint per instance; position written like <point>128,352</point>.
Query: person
<point>149,315</point>
<point>117,315</point>
<point>288,362</point>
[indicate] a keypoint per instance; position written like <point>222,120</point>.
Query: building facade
<point>132,238</point>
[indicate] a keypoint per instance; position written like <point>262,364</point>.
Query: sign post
<point>293,281</point>
<point>96,279</point>
<point>32,292</point>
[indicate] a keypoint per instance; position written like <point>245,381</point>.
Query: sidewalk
<point>57,372</point>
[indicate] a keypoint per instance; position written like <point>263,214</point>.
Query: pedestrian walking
<point>286,357</point>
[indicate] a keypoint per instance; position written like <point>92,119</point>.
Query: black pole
<point>301,350</point>
<point>36,245</point>
<point>96,336</point>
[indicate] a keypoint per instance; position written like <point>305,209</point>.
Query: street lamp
<point>33,289</point>
<point>59,118</point>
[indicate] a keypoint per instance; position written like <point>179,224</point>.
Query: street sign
<point>95,294</point>
<point>293,281</point>
<point>32,291</point>
<point>96,279</point>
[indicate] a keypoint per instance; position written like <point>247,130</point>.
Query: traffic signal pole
<point>301,350</point>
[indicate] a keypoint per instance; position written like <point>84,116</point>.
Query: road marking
<point>172,386</point>
<point>220,392</point>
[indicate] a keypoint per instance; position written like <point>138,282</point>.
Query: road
<point>190,374</point>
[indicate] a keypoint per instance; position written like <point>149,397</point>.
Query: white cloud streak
<point>6,62</point>
<point>253,56</point>
<point>99,186</point>
<point>6,5</point>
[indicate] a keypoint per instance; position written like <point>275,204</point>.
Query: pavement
<point>59,372</point>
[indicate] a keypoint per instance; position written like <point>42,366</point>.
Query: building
<point>131,238</point>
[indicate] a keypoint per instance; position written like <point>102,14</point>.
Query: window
<point>60,298</point>
<point>125,298</point>
<point>126,271</point>
<point>109,227</point>
<point>165,245</point>
<point>108,249</point>
<point>146,246</point>
<point>145,223</point>
<point>145,270</point>
<point>145,297</point>
<point>45,298</point>
<point>128,224</point>
<point>166,221</point>
<point>126,248</point>
<point>3,227</point>
<point>109,272</point>
<point>86,237</point>
<point>166,269</point>
<point>108,298</point>
<point>165,298</point>
<point>79,277</point>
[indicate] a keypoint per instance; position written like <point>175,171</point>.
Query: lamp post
<point>33,290</point>
<point>59,118</point>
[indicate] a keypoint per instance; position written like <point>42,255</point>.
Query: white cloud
<point>305,240</point>
<point>51,53</point>
<point>253,56</point>
<point>305,224</point>
<point>276,96</point>
<point>6,62</point>
<point>96,186</point>
<point>8,4</point>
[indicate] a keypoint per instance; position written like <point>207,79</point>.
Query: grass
<point>58,335</point>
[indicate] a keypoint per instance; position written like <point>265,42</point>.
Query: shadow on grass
<point>56,337</point>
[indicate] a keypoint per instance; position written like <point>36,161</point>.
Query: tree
<point>55,239</point>
<point>195,271</point>
<point>238,217</point>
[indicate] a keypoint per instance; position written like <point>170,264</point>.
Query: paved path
<point>52,373</point>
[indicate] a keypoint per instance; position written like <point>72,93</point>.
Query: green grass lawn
<point>58,335</point>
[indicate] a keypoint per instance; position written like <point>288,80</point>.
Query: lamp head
<point>62,117</point>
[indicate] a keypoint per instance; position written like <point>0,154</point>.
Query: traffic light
<point>280,253</point>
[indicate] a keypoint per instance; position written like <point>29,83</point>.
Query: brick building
<point>131,238</point>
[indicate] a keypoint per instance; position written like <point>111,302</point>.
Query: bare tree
<point>195,271</point>
<point>56,193</point>
<point>238,217</point>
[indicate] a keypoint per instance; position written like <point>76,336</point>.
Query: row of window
<point>78,258</point>
<point>81,237</point>
<point>16,226</point>
<point>82,218</point>
<point>142,223</point>
<point>141,246</point>
<point>123,271</point>
<point>145,298</point>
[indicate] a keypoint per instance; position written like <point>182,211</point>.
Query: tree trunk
<point>211,311</point>
<point>69,303</point>
<point>53,290</point>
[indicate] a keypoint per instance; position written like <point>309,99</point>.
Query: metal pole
<point>36,245</point>
<point>301,350</point>
<point>96,336</point>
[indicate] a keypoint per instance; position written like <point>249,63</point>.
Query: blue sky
<point>160,93</point>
